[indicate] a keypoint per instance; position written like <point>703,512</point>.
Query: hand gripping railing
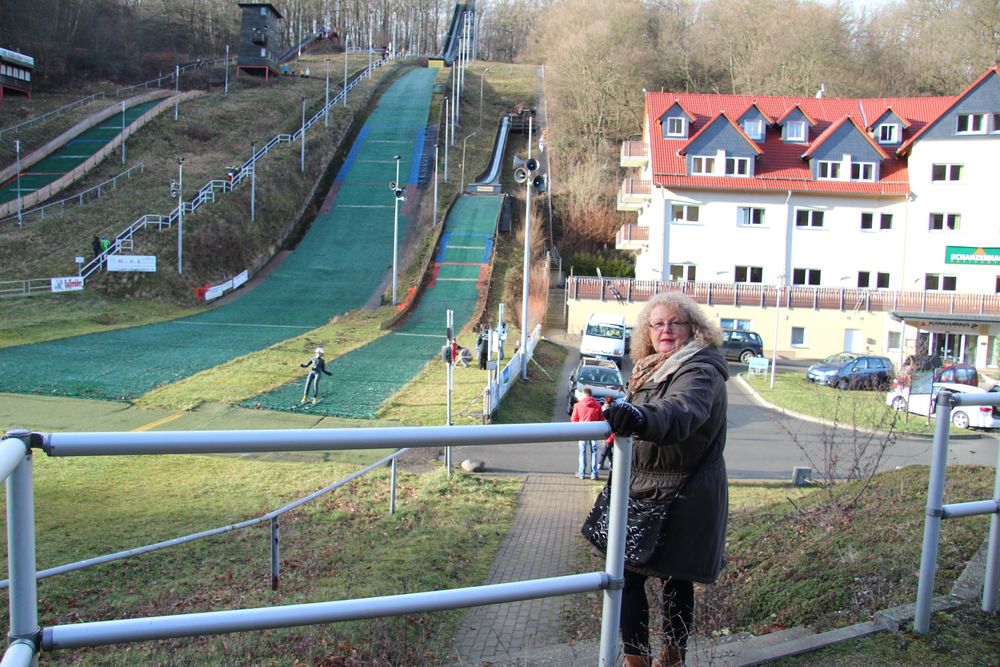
<point>937,510</point>
<point>27,638</point>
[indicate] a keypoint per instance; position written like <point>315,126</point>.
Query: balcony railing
<point>634,154</point>
<point>631,236</point>
<point>816,298</point>
<point>634,194</point>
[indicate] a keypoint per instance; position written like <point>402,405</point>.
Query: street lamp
<point>345,69</point>
<point>17,149</point>
<point>177,89</point>
<point>461,182</point>
<point>227,69</point>
<point>123,132</point>
<point>777,315</point>
<point>253,177</point>
<point>527,262</point>
<point>302,152</point>
<point>482,77</point>
<point>180,210</point>
<point>326,99</point>
<point>397,192</point>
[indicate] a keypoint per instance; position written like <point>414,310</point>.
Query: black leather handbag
<point>643,533</point>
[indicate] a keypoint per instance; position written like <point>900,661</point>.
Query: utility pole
<point>180,211</point>
<point>227,69</point>
<point>253,177</point>
<point>123,132</point>
<point>17,149</point>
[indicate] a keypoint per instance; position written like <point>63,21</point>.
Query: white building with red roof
<point>874,198</point>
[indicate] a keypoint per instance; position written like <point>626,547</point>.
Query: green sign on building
<point>960,254</point>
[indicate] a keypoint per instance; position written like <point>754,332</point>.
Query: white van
<point>605,337</point>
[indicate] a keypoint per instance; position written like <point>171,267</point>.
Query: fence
<point>158,81</point>
<point>937,510</point>
<point>54,112</point>
<point>78,199</point>
<point>27,638</point>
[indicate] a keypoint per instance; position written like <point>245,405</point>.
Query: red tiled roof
<point>780,165</point>
<point>828,132</point>
<point>722,116</point>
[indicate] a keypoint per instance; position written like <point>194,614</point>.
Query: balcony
<point>634,154</point>
<point>632,237</point>
<point>634,194</point>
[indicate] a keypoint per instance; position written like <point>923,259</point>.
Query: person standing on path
<point>312,380</point>
<point>676,410</point>
<point>587,409</point>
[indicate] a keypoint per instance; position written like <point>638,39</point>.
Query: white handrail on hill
<point>67,107</point>
<point>156,83</point>
<point>16,467</point>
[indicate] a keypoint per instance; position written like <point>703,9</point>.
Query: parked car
<point>741,345</point>
<point>921,396</point>
<point>600,375</point>
<point>848,370</point>
<point>605,337</point>
<point>952,372</point>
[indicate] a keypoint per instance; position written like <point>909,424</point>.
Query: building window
<point>827,170</point>
<point>754,128</point>
<point>702,165</point>
<point>807,217</point>
<point>795,130</point>
<point>746,215</point>
<point>945,221</point>
<point>885,221</point>
<point>868,221</point>
<point>676,127</point>
<point>888,133</point>
<point>862,171</point>
<point>939,283</point>
<point>682,272</point>
<point>263,53</point>
<point>805,276</point>
<point>798,336</point>
<point>946,172</point>
<point>971,123</point>
<point>996,122</point>
<point>894,338</point>
<point>997,286</point>
<point>732,323</point>
<point>684,213</point>
<point>865,280</point>
<point>882,280</point>
<point>737,166</point>
<point>749,274</point>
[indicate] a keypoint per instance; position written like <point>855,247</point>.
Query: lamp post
<point>777,320</point>
<point>253,177</point>
<point>302,142</point>
<point>482,77</point>
<point>177,89</point>
<point>227,69</point>
<point>180,211</point>
<point>527,265</point>
<point>435,219</point>
<point>397,193</point>
<point>446,119</point>
<point>17,167</point>
<point>345,70</point>
<point>326,102</point>
<point>461,182</point>
<point>123,132</point>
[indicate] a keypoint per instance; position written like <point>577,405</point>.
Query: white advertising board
<point>132,263</point>
<point>68,284</point>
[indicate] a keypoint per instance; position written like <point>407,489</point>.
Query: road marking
<point>159,422</point>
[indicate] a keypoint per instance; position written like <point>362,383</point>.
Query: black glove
<point>625,418</point>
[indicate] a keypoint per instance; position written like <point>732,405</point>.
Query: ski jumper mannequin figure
<point>312,380</point>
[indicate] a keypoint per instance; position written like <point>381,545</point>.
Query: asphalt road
<point>761,443</point>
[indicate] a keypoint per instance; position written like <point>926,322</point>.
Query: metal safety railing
<point>54,112</point>
<point>27,638</point>
<point>938,510</point>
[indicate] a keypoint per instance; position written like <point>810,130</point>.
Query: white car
<point>920,397</point>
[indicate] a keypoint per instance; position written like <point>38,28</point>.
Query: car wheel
<point>960,419</point>
<point>842,383</point>
<point>746,356</point>
<point>899,404</point>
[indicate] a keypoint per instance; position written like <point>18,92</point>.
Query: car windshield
<point>599,375</point>
<point>606,330</point>
<point>839,359</point>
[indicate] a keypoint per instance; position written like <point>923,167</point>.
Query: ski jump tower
<point>260,40</point>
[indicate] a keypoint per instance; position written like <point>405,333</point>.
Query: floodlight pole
<point>177,89</point>
<point>253,178</point>
<point>302,152</point>
<point>482,77</point>
<point>435,218</point>
<point>123,131</point>
<point>17,149</point>
<point>180,212</point>
<point>527,265</point>
<point>395,229</point>
<point>446,119</point>
<point>326,99</point>
<point>227,69</point>
<point>345,70</point>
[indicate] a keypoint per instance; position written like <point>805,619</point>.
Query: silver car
<point>601,376</point>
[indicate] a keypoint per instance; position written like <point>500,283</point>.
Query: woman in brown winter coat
<point>676,411</point>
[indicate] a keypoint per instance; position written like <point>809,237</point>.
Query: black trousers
<point>677,611</point>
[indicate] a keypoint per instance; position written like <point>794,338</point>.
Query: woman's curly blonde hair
<point>702,329</point>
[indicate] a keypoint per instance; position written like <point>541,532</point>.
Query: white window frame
<point>888,133</point>
<point>749,216</point>
<point>811,223</point>
<point>748,274</point>
<point>736,163</point>
<point>828,170</point>
<point>944,222</point>
<point>810,277</point>
<point>801,334</point>
<point>733,323</point>
<point>935,282</point>
<point>799,134</point>
<point>683,272</point>
<point>699,164</point>
<point>996,122</point>
<point>952,172</point>
<point>753,128</point>
<point>671,131</point>
<point>974,123</point>
<point>861,168</point>
<point>686,210</point>
<point>885,221</point>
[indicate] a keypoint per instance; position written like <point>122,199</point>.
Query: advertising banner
<point>68,284</point>
<point>957,254</point>
<point>145,263</point>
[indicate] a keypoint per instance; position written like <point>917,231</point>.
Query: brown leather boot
<point>636,661</point>
<point>670,656</point>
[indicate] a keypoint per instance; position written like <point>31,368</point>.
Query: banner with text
<point>68,284</point>
<point>145,263</point>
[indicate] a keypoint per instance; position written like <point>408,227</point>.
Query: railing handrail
<point>197,64</point>
<point>65,107</point>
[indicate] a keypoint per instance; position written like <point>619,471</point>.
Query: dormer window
<point>676,126</point>
<point>703,165</point>
<point>971,123</point>
<point>828,170</point>
<point>754,128</point>
<point>888,133</point>
<point>862,171</point>
<point>737,166</point>
<point>795,130</point>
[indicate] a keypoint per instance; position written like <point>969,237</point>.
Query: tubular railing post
<point>392,487</point>
<point>615,563</point>
<point>21,564</point>
<point>275,553</point>
<point>933,513</point>
<point>991,580</point>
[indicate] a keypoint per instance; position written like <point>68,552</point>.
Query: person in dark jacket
<point>675,409</point>
<point>312,380</point>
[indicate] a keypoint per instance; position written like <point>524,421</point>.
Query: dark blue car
<point>848,370</point>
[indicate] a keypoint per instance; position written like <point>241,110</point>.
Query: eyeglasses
<point>672,325</point>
